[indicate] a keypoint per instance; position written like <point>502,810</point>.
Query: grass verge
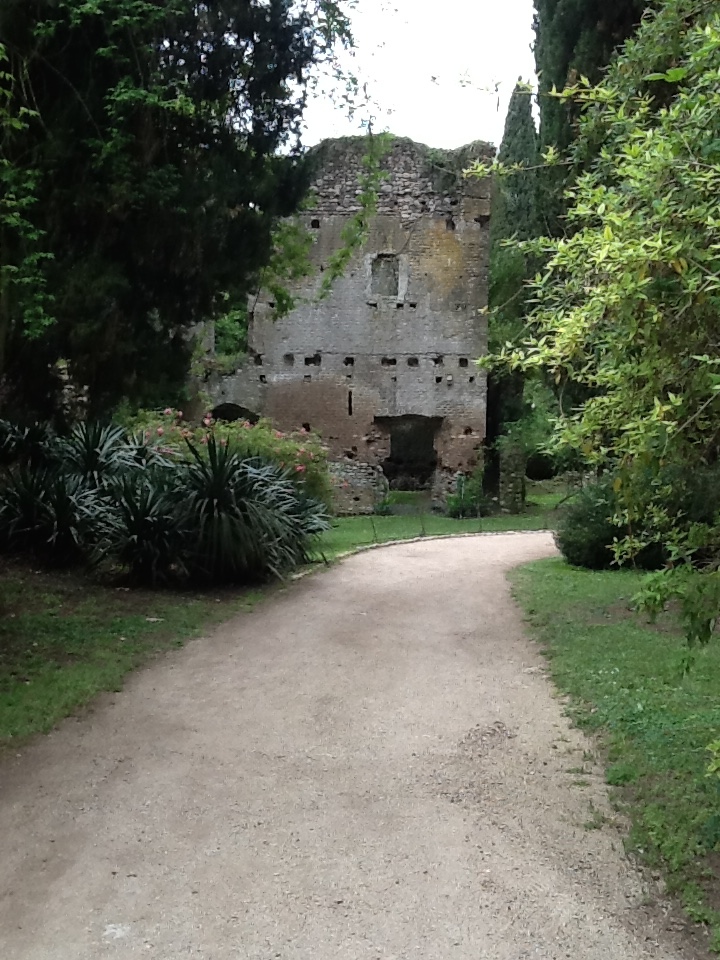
<point>349,533</point>
<point>626,682</point>
<point>63,640</point>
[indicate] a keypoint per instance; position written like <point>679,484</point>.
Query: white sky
<point>438,72</point>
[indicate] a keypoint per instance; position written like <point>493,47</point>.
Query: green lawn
<point>349,533</point>
<point>626,681</point>
<point>63,640</point>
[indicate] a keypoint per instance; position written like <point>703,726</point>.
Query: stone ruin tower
<point>383,367</point>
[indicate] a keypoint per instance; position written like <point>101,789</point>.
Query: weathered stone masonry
<point>383,368</point>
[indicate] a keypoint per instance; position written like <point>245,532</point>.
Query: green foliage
<point>47,513</point>
<point>587,531</point>
<point>469,499</point>
<point>301,453</point>
<point>628,304</point>
<point>141,177</point>
<point>513,216</point>
<point>194,512</point>
<point>573,39</point>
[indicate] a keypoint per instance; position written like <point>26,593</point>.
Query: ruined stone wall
<point>400,330</point>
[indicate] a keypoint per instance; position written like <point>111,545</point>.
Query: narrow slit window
<point>389,362</point>
<point>463,362</point>
<point>350,403</point>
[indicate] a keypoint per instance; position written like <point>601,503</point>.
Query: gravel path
<point>370,766</point>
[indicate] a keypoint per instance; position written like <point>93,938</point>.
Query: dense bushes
<point>125,503</point>
<point>301,452</point>
<point>587,532</point>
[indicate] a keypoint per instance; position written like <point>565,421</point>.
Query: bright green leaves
<point>629,304</point>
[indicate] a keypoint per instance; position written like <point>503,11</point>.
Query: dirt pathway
<point>369,767</point>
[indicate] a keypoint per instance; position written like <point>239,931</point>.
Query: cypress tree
<point>573,39</point>
<point>514,216</point>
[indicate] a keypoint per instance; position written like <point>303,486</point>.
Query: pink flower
<point>168,412</point>
<point>246,425</point>
<point>204,439</point>
<point>207,421</point>
<point>223,443</point>
<point>160,431</point>
<point>278,435</point>
<point>300,468</point>
<point>301,450</point>
<point>346,486</point>
<point>179,414</point>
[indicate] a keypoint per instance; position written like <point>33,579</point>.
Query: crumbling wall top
<point>419,179</point>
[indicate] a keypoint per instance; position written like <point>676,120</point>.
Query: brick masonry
<point>398,334</point>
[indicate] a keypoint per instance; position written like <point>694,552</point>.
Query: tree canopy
<point>629,302</point>
<point>140,178</point>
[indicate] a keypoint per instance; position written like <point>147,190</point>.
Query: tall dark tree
<point>573,39</point>
<point>513,216</point>
<point>142,146</point>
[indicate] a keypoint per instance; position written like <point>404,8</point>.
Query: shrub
<point>248,517</point>
<point>47,513</point>
<point>468,499</point>
<point>300,452</point>
<point>144,529</point>
<point>94,451</point>
<point>586,531</point>
<point>201,511</point>
<point>33,445</point>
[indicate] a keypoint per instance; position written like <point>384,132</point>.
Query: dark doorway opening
<point>233,411</point>
<point>413,457</point>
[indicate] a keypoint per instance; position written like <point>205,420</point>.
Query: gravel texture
<point>369,766</point>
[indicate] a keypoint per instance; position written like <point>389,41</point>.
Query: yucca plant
<point>94,451</point>
<point>144,452</point>
<point>143,530</point>
<point>34,444</point>
<point>47,513</point>
<point>247,516</point>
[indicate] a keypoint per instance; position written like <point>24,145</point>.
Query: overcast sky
<point>438,72</point>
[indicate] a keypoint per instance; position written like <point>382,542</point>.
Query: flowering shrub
<point>300,453</point>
